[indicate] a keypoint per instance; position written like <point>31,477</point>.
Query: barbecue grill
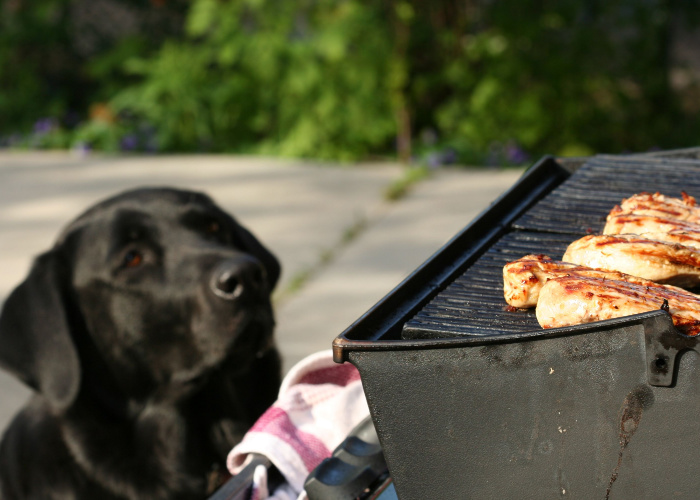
<point>473,400</point>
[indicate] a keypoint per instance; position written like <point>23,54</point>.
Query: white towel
<point>319,403</point>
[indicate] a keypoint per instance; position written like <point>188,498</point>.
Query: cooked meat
<point>641,224</point>
<point>631,254</point>
<point>572,300</point>
<point>688,239</point>
<point>523,278</point>
<point>662,206</point>
<point>649,239</point>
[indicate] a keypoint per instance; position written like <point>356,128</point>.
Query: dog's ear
<point>35,342</point>
<point>254,247</point>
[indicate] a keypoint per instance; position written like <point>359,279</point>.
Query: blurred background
<point>140,92</point>
<point>437,82</point>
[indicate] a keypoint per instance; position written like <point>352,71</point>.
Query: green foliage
<point>178,94</point>
<point>295,79</point>
<point>567,77</point>
<point>99,135</point>
<point>58,58</point>
<point>444,81</point>
<point>110,67</point>
<point>28,36</point>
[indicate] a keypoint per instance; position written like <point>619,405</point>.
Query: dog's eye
<point>132,259</point>
<point>213,227</point>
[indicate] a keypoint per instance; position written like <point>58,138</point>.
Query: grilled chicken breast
<point>631,254</point>
<point>657,204</point>
<point>643,224</point>
<point>685,238</point>
<point>523,278</point>
<point>573,300</point>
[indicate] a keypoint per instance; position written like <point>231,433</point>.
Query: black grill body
<point>471,400</point>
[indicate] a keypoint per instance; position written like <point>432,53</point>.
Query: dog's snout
<point>236,277</point>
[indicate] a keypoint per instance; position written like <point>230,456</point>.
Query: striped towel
<point>319,403</point>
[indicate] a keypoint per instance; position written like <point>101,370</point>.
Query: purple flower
<point>9,141</point>
<point>515,154</point>
<point>81,148</point>
<point>44,125</point>
<point>434,160</point>
<point>129,142</point>
<point>449,156</point>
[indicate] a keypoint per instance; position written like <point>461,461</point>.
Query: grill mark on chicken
<point>658,261</point>
<point>657,204</point>
<point>572,300</point>
<point>688,239</point>
<point>523,278</point>
<point>632,223</point>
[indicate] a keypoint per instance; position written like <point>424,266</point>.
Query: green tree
<point>297,79</point>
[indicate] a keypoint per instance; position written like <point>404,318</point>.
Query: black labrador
<point>146,332</point>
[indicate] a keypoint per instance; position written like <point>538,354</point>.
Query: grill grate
<point>473,304</point>
<point>579,205</point>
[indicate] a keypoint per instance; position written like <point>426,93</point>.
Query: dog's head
<point>145,293</point>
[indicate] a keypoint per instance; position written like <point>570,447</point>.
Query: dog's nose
<point>236,277</point>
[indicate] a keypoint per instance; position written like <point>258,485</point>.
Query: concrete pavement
<point>399,238</point>
<point>341,244</point>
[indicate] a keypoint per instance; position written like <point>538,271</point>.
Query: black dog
<point>147,333</point>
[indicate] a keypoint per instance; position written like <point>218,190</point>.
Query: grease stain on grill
<point>545,447</point>
<point>509,355</point>
<point>639,399</point>
<point>582,347</point>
